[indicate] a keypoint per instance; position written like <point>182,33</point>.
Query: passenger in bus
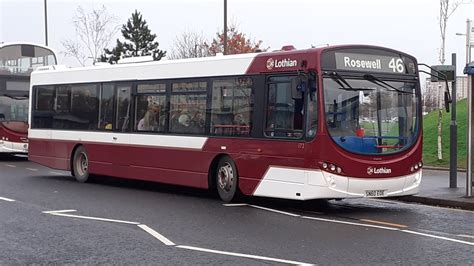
<point>149,122</point>
<point>197,122</point>
<point>238,120</point>
<point>174,117</point>
<point>241,126</point>
<point>184,123</point>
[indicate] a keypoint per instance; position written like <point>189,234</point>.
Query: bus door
<point>283,124</point>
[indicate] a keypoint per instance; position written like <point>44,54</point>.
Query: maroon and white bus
<point>17,61</point>
<point>333,122</point>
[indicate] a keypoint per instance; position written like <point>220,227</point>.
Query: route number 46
<point>397,65</point>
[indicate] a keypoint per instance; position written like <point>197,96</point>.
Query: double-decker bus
<point>333,122</point>
<point>17,61</point>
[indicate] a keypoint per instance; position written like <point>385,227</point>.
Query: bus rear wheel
<point>80,165</point>
<point>227,179</point>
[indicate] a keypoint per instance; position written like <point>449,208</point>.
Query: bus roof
<point>5,44</point>
<point>276,61</point>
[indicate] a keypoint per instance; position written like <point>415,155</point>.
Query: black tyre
<point>80,165</point>
<point>227,179</point>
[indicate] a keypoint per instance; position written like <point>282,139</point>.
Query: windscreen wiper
<point>20,97</point>
<point>344,84</point>
<point>383,84</point>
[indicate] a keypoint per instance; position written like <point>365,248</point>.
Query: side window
<point>107,96</point>
<point>150,107</point>
<point>62,118</point>
<point>42,115</point>
<point>85,106</point>
<point>285,105</point>
<point>44,98</point>
<point>312,109</point>
<point>188,107</point>
<point>232,107</point>
<point>123,106</point>
<point>62,102</point>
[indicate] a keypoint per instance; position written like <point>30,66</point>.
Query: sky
<point>410,26</point>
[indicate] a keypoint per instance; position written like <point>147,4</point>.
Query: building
<point>433,92</point>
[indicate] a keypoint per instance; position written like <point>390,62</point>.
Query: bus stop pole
<point>469,138</point>
<point>469,70</point>
<point>453,159</point>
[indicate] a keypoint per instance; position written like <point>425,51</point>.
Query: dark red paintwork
<point>14,131</point>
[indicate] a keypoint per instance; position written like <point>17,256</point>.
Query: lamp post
<point>225,27</point>
<point>45,23</point>
<point>468,40</point>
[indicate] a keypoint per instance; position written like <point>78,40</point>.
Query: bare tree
<point>446,9</point>
<point>94,30</point>
<point>189,45</point>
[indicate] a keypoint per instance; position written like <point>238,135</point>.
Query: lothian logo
<point>382,170</point>
<point>274,63</point>
<point>270,63</point>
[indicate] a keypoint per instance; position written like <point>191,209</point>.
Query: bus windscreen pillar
<point>470,117</point>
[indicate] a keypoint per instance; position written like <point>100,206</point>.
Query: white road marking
<point>10,165</point>
<point>350,223</point>
<point>157,235</point>
<point>235,204</point>
<point>61,213</point>
<point>277,211</point>
<point>56,173</point>
<point>31,169</point>
<point>367,225</point>
<point>467,236</point>
<point>7,199</point>
<point>168,242</point>
<point>439,237</point>
<point>243,255</point>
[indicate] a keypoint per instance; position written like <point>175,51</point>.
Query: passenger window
<point>150,112</point>
<point>122,122</point>
<point>106,117</point>
<point>285,105</point>
<point>188,107</point>
<point>84,106</point>
<point>232,107</point>
<point>44,98</point>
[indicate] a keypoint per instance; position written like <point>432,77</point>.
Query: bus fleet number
<point>397,65</point>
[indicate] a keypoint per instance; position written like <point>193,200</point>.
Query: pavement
<point>435,190</point>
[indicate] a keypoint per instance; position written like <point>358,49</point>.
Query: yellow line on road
<point>467,236</point>
<point>384,223</point>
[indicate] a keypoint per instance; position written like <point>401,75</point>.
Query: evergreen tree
<point>112,56</point>
<point>138,41</point>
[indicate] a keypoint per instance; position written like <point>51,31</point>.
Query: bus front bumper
<point>304,184</point>
<point>13,147</point>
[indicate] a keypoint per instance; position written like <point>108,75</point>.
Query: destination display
<point>373,63</point>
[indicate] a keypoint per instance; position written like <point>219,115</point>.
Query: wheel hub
<point>83,164</point>
<point>226,177</point>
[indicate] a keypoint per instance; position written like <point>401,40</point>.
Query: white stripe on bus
<point>150,140</point>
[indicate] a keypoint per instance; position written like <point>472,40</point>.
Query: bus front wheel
<point>80,165</point>
<point>227,179</point>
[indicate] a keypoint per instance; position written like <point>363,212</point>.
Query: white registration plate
<point>375,193</point>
